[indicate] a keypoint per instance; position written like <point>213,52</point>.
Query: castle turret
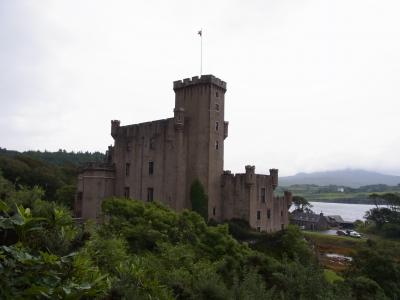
<point>115,124</point>
<point>201,101</point>
<point>179,117</point>
<point>288,198</point>
<point>109,154</point>
<point>274,175</point>
<point>226,125</point>
<point>250,175</point>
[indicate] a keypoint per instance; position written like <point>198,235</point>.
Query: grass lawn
<point>342,245</point>
<point>332,276</point>
<point>347,244</point>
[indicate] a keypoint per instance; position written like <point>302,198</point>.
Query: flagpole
<point>201,52</point>
<point>200,33</point>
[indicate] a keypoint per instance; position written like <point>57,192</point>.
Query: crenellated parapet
<point>274,177</point>
<point>288,196</point>
<point>109,154</point>
<point>98,166</point>
<point>204,79</point>
<point>115,124</point>
<point>250,175</point>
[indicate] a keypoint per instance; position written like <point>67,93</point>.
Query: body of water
<point>349,212</point>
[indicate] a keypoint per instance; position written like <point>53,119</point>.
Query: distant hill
<point>60,157</point>
<point>348,177</point>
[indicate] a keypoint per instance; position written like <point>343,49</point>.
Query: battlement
<point>204,79</point>
<point>98,166</point>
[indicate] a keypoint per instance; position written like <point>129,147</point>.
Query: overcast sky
<point>312,85</point>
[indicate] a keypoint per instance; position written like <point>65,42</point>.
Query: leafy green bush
<point>29,270</point>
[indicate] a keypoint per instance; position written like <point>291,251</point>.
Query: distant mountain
<point>348,177</point>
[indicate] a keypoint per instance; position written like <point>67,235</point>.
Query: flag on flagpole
<point>200,32</point>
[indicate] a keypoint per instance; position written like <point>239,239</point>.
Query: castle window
<point>268,214</point>
<point>151,167</point>
<point>216,145</point>
<point>126,192</point>
<point>128,146</point>
<point>150,194</point>
<point>216,94</point>
<point>216,126</point>
<point>151,144</point>
<point>258,214</point>
<point>283,226</point>
<point>127,169</point>
<point>216,106</point>
<point>214,211</point>
<point>258,228</point>
<point>281,213</point>
<point>263,194</point>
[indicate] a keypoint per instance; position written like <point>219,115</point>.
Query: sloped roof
<point>306,216</point>
<point>336,218</point>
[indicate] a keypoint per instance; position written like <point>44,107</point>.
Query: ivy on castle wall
<point>199,199</point>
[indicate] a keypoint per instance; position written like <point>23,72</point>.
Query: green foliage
<point>180,253</point>
<point>147,251</point>
<point>44,275</point>
<point>364,288</point>
<point>199,199</point>
<point>386,219</point>
<point>252,287</point>
<point>378,263</point>
<point>146,225</point>
<point>288,243</point>
<point>301,203</point>
<point>54,172</point>
<point>65,195</point>
<point>332,276</point>
<point>60,158</point>
<point>241,230</point>
<point>30,266</point>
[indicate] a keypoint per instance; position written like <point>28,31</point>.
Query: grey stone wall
<point>188,146</point>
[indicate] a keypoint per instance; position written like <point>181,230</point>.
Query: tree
<point>301,203</point>
<point>387,218</point>
<point>199,199</point>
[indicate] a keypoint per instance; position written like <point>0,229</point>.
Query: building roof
<point>306,216</point>
<point>336,218</point>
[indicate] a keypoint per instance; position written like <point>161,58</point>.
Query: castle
<point>160,160</point>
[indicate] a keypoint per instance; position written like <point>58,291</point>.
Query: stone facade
<point>160,160</point>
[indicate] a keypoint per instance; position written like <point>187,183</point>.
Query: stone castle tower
<point>159,160</point>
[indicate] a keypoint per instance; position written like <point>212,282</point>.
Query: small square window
<point>152,144</point>
<point>216,106</point>
<point>263,195</point>
<point>268,214</point>
<point>258,215</point>
<point>151,167</point>
<point>258,228</point>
